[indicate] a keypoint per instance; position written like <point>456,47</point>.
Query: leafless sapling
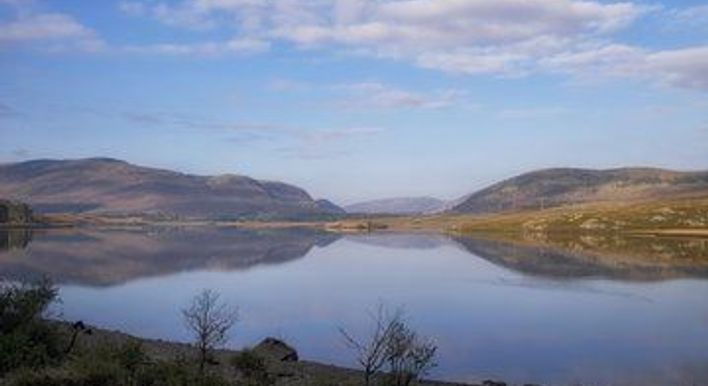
<point>372,352</point>
<point>209,320</point>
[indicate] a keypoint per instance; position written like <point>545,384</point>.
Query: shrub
<point>131,357</point>
<point>26,340</point>
<point>167,373</point>
<point>252,366</point>
<point>178,372</point>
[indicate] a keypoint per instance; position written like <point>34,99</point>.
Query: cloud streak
<point>239,46</point>
<point>373,95</point>
<point>327,143</point>
<point>149,118</point>
<point>290,141</point>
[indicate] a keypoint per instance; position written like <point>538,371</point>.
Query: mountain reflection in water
<point>554,314</point>
<point>110,257</point>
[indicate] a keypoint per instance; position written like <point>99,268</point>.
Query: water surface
<point>521,314</point>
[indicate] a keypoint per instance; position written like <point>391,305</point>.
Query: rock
<point>592,224</point>
<point>693,223</point>
<point>276,349</point>
<point>657,218</point>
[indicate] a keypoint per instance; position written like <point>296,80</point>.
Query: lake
<point>516,313</point>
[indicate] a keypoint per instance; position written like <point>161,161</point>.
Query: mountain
<point>562,186</point>
<point>104,185</point>
<point>330,207</point>
<point>401,205</point>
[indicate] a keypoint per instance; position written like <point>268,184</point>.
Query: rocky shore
<point>282,362</point>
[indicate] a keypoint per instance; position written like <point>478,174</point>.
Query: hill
<point>400,205</point>
<point>557,187</point>
<point>103,185</point>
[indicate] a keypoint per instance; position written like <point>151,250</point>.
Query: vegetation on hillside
<point>549,188</point>
<point>658,234</point>
<point>599,218</point>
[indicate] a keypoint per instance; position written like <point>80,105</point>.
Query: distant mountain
<point>556,187</point>
<point>112,186</point>
<point>329,206</point>
<point>401,205</point>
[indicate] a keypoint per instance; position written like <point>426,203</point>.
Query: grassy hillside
<point>550,188</point>
<point>668,237</point>
<point>664,216</point>
<point>658,236</point>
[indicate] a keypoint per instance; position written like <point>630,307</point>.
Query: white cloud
<point>479,36</point>
<point>244,46</point>
<point>683,68</point>
<point>319,137</point>
<point>687,68</point>
<point>412,24</point>
<point>18,3</point>
<point>49,31</point>
<point>196,14</point>
<point>133,8</point>
<point>374,95</point>
<point>57,28</point>
<point>696,16</point>
<point>497,37</point>
<point>534,113</point>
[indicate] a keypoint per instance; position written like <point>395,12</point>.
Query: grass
<point>642,217</point>
<point>689,215</point>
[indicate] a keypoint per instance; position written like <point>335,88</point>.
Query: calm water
<point>511,313</point>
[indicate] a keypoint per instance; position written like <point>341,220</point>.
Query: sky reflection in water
<point>493,316</point>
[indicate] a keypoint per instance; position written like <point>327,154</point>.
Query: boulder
<point>276,349</point>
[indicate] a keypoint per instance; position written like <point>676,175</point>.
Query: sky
<point>357,99</point>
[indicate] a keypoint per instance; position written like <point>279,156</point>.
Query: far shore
<point>681,218</point>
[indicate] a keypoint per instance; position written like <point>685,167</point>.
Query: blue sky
<point>357,99</point>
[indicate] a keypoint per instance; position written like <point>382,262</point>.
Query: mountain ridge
<point>107,185</point>
<point>553,187</point>
<point>397,205</point>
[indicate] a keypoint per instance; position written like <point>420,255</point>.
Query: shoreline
<point>301,372</point>
<point>668,218</point>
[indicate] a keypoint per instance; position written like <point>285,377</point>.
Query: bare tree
<point>409,355</point>
<point>209,320</point>
<point>373,352</point>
